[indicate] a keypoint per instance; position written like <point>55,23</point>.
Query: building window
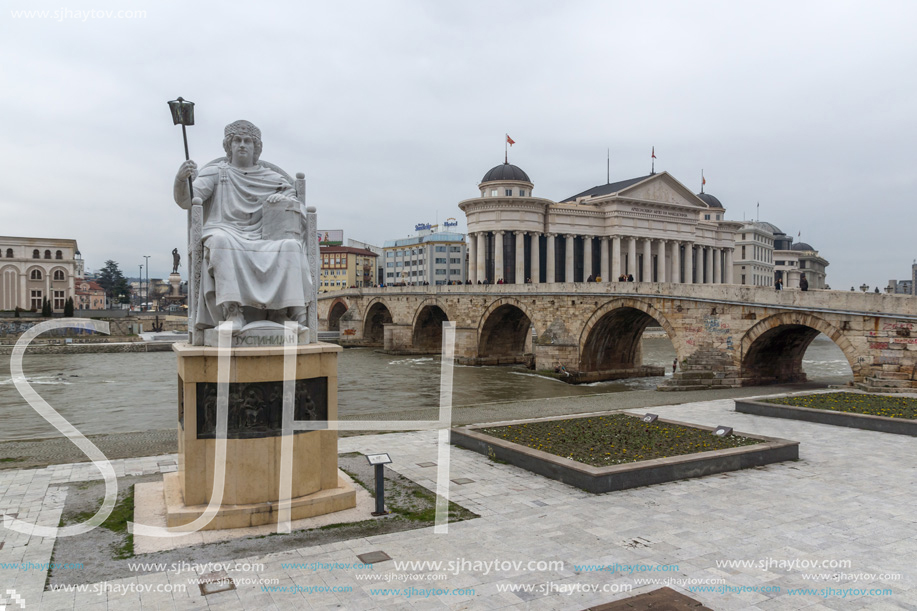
<point>59,255</point>
<point>743,255</point>
<point>440,272</point>
<point>521,192</point>
<point>35,275</point>
<point>36,300</point>
<point>36,254</point>
<point>440,249</point>
<point>58,300</point>
<point>455,261</point>
<point>509,193</point>
<point>440,259</point>
<point>706,217</point>
<point>717,217</point>
<point>47,254</point>
<point>455,249</point>
<point>493,193</point>
<point>58,274</point>
<point>9,253</point>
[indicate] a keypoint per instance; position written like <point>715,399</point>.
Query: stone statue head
<point>241,128</point>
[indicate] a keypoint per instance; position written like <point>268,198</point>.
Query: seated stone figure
<point>253,268</point>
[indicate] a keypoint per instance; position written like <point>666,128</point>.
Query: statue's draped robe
<point>238,265</point>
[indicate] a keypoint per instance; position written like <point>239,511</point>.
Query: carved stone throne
<point>275,219</point>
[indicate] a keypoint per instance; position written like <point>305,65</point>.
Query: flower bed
<point>881,413</point>
<point>614,439</point>
<point>615,451</point>
<point>855,403</point>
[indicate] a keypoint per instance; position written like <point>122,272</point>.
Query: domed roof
<point>801,246</point>
<point>710,200</point>
<point>769,227</point>
<point>506,171</point>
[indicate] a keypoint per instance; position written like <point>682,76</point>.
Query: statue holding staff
<point>250,271</point>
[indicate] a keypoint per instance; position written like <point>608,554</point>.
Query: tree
<point>112,280</point>
<point>46,308</point>
<point>68,308</point>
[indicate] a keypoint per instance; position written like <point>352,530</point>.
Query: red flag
<point>654,152</point>
<point>510,140</point>
<point>703,180</point>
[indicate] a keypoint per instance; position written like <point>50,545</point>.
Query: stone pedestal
<point>253,447</point>
<point>175,283</point>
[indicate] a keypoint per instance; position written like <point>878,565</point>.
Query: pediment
<point>664,189</point>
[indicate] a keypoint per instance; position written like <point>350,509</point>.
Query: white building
<point>431,257</point>
<point>765,254</point>
<point>754,257</point>
<point>34,269</point>
<point>794,260</point>
<point>651,227</point>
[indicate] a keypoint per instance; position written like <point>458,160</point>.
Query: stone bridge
<point>723,335</point>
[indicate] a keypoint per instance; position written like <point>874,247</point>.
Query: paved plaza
<point>742,540</point>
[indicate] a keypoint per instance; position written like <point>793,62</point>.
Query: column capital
<point>519,232</point>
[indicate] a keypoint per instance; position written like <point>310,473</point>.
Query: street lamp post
<point>140,287</point>
<point>147,257</point>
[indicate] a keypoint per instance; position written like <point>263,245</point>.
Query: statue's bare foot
<point>233,313</point>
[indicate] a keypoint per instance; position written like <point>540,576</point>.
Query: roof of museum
<point>801,246</point>
<point>710,200</point>
<point>606,189</point>
<point>505,171</point>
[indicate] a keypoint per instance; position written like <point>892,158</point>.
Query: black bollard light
<point>379,461</point>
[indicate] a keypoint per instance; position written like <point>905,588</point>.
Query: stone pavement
<point>847,504</point>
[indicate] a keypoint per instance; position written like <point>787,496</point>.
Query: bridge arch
<point>611,336</point>
<point>337,309</point>
<point>427,326</point>
<point>772,350</point>
<point>378,314</point>
<point>504,332</point>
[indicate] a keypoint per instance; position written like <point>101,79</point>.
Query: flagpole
<point>506,148</point>
<point>702,181</point>
<point>608,169</point>
<point>653,167</point>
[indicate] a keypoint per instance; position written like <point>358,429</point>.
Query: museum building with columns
<point>651,227</point>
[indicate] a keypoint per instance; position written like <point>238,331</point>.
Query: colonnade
<point>604,259</point>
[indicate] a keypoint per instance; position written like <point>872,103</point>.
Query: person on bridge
<point>630,277</point>
<point>778,284</point>
<point>803,284</point>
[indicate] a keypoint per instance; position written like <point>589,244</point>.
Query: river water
<point>113,393</point>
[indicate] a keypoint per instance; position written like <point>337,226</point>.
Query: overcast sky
<point>395,110</point>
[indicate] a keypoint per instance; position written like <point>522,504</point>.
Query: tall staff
<point>183,114</point>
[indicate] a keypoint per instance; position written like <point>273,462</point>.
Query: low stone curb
<point>630,475</point>
<point>866,422</point>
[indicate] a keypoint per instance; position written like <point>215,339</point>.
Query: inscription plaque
<point>256,408</point>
